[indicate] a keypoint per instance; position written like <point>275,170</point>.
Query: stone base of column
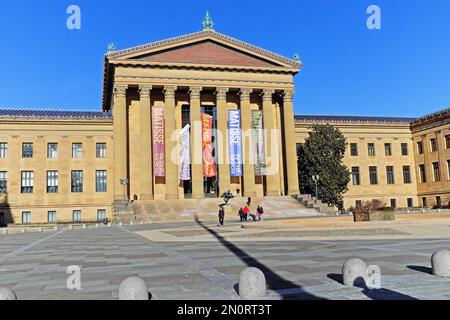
<point>273,193</point>
<point>172,197</point>
<point>250,194</point>
<point>144,197</point>
<point>293,192</point>
<point>198,196</point>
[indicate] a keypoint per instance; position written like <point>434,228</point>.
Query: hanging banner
<point>185,157</point>
<point>235,142</point>
<point>209,165</point>
<point>159,161</point>
<point>258,143</point>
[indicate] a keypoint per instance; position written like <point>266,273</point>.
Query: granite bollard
<point>252,284</point>
<point>133,288</point>
<point>440,262</point>
<point>354,272</point>
<point>7,294</point>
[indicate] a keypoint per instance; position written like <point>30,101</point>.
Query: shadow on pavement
<point>274,281</point>
<point>373,294</point>
<point>421,269</point>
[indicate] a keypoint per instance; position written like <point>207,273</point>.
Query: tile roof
<point>53,114</point>
<point>358,119</point>
<point>434,115</point>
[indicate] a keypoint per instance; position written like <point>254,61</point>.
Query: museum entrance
<point>185,120</point>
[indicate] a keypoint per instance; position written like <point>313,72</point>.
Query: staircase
<point>207,209</point>
<point>123,211</point>
<point>310,202</point>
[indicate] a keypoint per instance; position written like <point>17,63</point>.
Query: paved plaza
<point>181,267</point>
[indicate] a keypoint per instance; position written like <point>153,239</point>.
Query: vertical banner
<point>185,157</point>
<point>209,166</point>
<point>235,142</point>
<point>159,161</point>
<point>258,143</point>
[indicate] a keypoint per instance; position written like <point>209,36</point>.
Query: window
<point>3,182</point>
<point>423,173</point>
<point>101,214</point>
<point>3,150</point>
<point>354,149</point>
<point>77,150</point>
<point>433,143</point>
<point>26,217</point>
<point>52,151</point>
<point>51,217</point>
<point>52,181</point>
<point>407,174</point>
<point>410,203</point>
<point>101,181</point>
<point>419,147</point>
<point>27,150</point>
<point>76,216</point>
<point>394,203</point>
<point>27,181</point>
<point>447,141</point>
<point>371,147</point>
<point>101,150</point>
<point>438,202</point>
<point>436,172</point>
<point>77,181</point>
<point>373,175</point>
<point>390,175</point>
<point>424,202</point>
<point>355,176</point>
<point>448,169</point>
<point>405,150</point>
<point>388,149</point>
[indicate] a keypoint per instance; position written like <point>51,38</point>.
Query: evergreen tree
<point>322,155</point>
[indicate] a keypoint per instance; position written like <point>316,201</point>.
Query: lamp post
<point>316,179</point>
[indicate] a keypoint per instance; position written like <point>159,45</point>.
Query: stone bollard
<point>252,284</point>
<point>70,227</point>
<point>24,230</point>
<point>56,228</point>
<point>97,225</point>
<point>142,222</point>
<point>40,229</point>
<point>7,294</point>
<point>354,272</point>
<point>131,223</point>
<point>423,211</point>
<point>120,224</point>
<point>84,226</point>
<point>5,231</point>
<point>109,224</point>
<point>133,288</point>
<point>440,262</point>
<point>150,222</point>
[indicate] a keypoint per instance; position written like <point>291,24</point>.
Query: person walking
<point>246,213</point>
<point>221,216</point>
<point>241,214</point>
<point>249,201</point>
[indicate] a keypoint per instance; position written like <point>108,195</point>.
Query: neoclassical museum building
<point>192,117</point>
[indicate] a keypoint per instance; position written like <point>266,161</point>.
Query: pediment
<point>205,48</point>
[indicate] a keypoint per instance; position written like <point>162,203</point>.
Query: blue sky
<point>401,70</point>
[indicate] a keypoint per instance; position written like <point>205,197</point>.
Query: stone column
<point>271,146</point>
<point>171,165</point>
<point>291,147</point>
<point>196,144</point>
<point>248,161</point>
<point>146,143</point>
<point>120,140</point>
<point>222,140</point>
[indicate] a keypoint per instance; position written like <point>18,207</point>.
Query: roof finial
<point>207,23</point>
<point>296,57</point>
<point>111,48</point>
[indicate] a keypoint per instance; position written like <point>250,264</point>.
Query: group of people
<point>245,214</point>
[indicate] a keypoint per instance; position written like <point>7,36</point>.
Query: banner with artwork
<point>209,165</point>
<point>185,157</point>
<point>159,161</point>
<point>258,143</point>
<point>235,142</point>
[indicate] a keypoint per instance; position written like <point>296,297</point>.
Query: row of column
<point>172,180</point>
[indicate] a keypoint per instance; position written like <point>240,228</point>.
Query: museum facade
<point>192,117</point>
